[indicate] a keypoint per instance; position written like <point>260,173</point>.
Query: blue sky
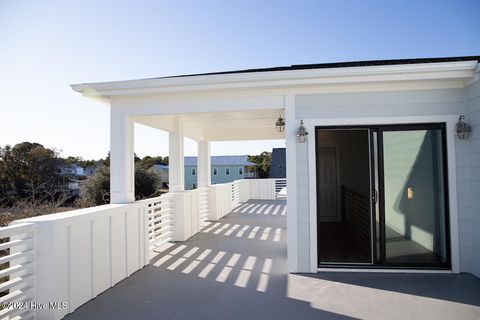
<point>47,45</point>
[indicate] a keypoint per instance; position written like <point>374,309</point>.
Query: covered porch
<point>88,251</point>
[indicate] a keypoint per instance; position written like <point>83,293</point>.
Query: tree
<point>146,183</point>
<point>146,163</point>
<point>96,190</point>
<point>263,161</point>
<point>28,170</point>
<point>106,162</point>
<point>72,160</point>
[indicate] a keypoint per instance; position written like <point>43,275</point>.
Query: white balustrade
<point>17,271</point>
<point>220,201</point>
<point>203,203</point>
<point>160,219</point>
<point>186,213</point>
<point>281,188</point>
<point>263,189</point>
<point>71,257</point>
<point>81,253</point>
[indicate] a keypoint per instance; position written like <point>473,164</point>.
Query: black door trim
<point>381,188</point>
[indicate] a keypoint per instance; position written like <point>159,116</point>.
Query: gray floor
<point>224,273</point>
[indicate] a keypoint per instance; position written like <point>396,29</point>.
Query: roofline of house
<point>308,74</point>
<point>344,64</point>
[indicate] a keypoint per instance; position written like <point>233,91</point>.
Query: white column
<point>122,165</point>
<point>204,167</point>
<point>291,158</point>
<point>176,167</point>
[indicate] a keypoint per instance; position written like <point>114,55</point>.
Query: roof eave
<point>286,78</point>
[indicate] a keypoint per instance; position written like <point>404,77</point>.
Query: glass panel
<point>414,197</point>
<point>343,196</point>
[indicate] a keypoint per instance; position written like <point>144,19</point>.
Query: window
<point>194,171</point>
<point>194,185</point>
<point>227,171</point>
<point>215,171</point>
<point>240,171</point>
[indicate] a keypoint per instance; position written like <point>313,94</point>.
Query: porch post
<point>176,168</point>
<point>203,168</point>
<point>122,165</point>
<point>291,157</point>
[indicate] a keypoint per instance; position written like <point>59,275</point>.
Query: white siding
<point>471,225</point>
<point>401,104</point>
<point>303,210</point>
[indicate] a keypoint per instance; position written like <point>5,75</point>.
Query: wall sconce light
<point>302,133</point>
<point>280,124</point>
<point>410,193</point>
<point>462,128</point>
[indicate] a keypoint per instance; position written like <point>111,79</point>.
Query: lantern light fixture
<point>462,128</point>
<point>302,133</point>
<point>280,124</point>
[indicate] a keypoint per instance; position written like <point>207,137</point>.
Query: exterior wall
<point>191,179</point>
<point>470,156</point>
<point>320,108</point>
<point>303,208</point>
<point>221,176</point>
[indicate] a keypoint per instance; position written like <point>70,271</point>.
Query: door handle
<point>374,196</point>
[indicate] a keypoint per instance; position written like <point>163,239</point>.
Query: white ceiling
<point>222,126</point>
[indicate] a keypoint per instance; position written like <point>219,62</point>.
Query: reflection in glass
<point>414,197</point>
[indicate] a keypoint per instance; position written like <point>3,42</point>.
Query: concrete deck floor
<point>236,269</point>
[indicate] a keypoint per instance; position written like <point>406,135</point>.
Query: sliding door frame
<point>368,132</point>
<point>380,189</point>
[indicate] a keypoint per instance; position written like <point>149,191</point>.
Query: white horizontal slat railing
<point>203,204</point>
<point>280,188</point>
<point>160,219</point>
<point>17,271</point>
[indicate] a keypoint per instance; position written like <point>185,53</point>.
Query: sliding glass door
<point>388,205</point>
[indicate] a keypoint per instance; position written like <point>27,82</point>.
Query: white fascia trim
<point>287,78</point>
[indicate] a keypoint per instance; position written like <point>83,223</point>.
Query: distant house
<point>224,169</point>
<point>72,170</point>
<point>278,167</point>
<point>90,171</point>
<point>70,186</point>
<point>162,171</point>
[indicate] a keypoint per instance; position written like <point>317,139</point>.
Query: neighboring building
<point>90,171</point>
<point>162,171</point>
<point>72,170</point>
<point>224,169</point>
<point>278,167</point>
